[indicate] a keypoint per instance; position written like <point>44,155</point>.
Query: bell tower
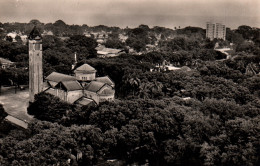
<point>35,63</point>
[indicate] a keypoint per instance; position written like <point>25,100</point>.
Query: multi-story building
<point>217,31</point>
<point>220,31</point>
<point>210,30</point>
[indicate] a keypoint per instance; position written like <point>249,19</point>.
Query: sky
<point>131,13</point>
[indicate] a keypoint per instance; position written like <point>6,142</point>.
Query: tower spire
<point>75,58</point>
<point>75,61</point>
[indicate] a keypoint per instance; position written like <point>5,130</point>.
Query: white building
<point>217,31</point>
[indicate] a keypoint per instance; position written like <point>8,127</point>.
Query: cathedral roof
<point>106,80</point>
<point>94,86</point>
<point>58,77</point>
<point>106,92</point>
<point>85,68</point>
<point>85,101</point>
<point>35,34</point>
<point>71,85</point>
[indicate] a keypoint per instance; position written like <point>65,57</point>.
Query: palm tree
<point>134,84</point>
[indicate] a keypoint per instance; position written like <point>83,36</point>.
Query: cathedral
<point>82,88</point>
<point>84,85</point>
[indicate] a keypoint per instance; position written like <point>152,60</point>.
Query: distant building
<point>217,31</point>
<point>104,52</point>
<point>220,31</point>
<point>5,63</point>
<point>210,30</point>
<point>12,35</point>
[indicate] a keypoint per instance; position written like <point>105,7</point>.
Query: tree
<point>48,107</point>
<point>18,39</point>
<point>82,44</point>
<point>245,31</point>
<point>3,114</point>
<point>9,38</point>
<point>59,23</point>
<point>114,43</point>
<point>35,22</point>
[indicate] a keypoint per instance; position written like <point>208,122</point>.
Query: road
<point>16,104</point>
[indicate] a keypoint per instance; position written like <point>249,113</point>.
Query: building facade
<point>5,63</point>
<point>83,86</point>
<point>35,63</point>
<point>220,31</point>
<point>85,73</point>
<point>215,31</point>
<point>210,30</point>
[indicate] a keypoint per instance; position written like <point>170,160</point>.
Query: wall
<point>35,68</point>
<point>106,98</point>
<point>85,77</point>
<point>74,95</point>
<point>58,93</point>
<point>92,95</point>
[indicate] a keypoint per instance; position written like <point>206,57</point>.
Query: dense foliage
<point>164,132</point>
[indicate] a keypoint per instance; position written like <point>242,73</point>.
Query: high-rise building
<point>35,63</point>
<point>217,31</point>
<point>210,30</point>
<point>220,31</point>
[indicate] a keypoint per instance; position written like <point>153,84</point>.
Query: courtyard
<point>16,104</point>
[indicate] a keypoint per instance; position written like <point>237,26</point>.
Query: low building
<point>69,91</point>
<point>54,78</point>
<point>5,63</point>
<point>99,92</point>
<point>104,52</point>
<point>65,87</point>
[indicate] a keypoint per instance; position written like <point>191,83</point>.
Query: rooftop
<point>85,67</point>
<point>58,77</point>
<point>35,34</point>
<point>17,121</point>
<point>106,92</point>
<point>106,80</point>
<point>85,101</point>
<point>72,85</point>
<point>103,50</point>
<point>2,60</point>
<point>94,86</point>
